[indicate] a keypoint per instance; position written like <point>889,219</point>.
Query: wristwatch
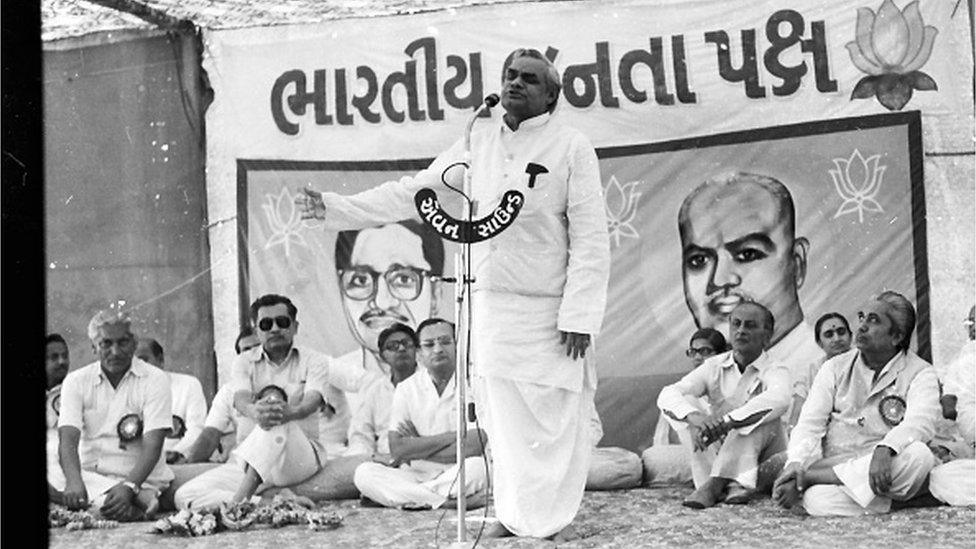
<point>131,486</point>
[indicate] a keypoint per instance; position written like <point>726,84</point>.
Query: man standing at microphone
<point>539,293</point>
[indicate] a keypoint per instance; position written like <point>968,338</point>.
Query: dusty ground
<point>644,517</point>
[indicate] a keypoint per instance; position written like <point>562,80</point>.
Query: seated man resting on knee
<point>954,481</point>
<point>114,416</point>
<point>423,422</point>
<point>869,414</point>
<point>747,393</point>
<point>279,386</point>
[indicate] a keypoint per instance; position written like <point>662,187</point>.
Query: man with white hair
<point>115,414</point>
<point>860,442</point>
<point>539,296</point>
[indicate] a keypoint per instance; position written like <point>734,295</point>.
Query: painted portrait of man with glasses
<point>387,274</point>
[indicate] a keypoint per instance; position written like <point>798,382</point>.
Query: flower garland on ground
<point>282,511</point>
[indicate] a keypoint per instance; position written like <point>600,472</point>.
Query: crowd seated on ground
<point>904,435</point>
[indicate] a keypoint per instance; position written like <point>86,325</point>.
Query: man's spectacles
<point>699,351</point>
<point>430,343</point>
<point>360,283</point>
<point>283,322</point>
<point>405,344</point>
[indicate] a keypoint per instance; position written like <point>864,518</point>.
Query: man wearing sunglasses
<point>286,448</point>
<point>118,471</point>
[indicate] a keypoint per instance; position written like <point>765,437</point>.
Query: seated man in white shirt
<point>371,420</point>
<point>747,393</point>
<point>223,429</point>
<point>860,441</point>
<point>56,365</point>
<point>423,423</point>
<point>114,416</point>
<point>279,386</point>
<point>954,481</point>
<point>189,404</point>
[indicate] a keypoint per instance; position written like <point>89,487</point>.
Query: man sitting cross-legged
<point>114,416</point>
<point>869,414</point>
<point>423,421</point>
<point>747,393</point>
<point>954,481</point>
<point>222,429</point>
<point>279,386</point>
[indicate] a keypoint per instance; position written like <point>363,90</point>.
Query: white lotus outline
<point>858,197</point>
<point>619,223</point>
<point>283,232</point>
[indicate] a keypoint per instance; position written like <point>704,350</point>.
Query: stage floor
<point>644,517</point>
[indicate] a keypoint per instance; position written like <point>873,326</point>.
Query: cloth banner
<point>820,105</point>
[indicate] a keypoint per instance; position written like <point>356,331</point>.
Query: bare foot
<point>497,530</point>
<point>706,496</point>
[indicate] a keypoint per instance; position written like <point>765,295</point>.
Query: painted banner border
<point>911,120</point>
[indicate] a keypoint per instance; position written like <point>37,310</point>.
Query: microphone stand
<point>462,312</point>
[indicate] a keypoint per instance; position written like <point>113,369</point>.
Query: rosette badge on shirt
<point>129,429</point>
<point>892,409</point>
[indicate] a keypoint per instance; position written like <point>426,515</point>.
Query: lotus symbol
<point>858,181</point>
<point>890,47</point>
<point>284,220</point>
<point>621,207</point>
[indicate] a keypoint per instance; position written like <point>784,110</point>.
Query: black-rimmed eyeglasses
<point>360,283</point>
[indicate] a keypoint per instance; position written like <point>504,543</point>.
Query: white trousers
<point>737,457</point>
<point>281,456</point>
<point>854,497</point>
<point>540,448</point>
<point>954,482</point>
<point>420,482</point>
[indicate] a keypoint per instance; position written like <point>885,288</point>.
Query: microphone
<point>490,101</point>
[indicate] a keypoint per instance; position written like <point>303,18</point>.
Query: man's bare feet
<point>738,494</point>
<point>705,496</point>
<point>497,530</point>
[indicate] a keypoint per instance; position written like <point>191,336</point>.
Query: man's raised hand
<point>310,203</point>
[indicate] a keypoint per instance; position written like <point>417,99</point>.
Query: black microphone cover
<point>491,100</point>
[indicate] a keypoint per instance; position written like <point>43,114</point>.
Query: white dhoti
<point>420,482</point>
<point>540,449</point>
<point>954,482</point>
<point>737,457</point>
<point>281,456</point>
<point>854,497</point>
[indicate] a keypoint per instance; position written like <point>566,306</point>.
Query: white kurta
<point>841,417</point>
<point>421,481</point>
<point>285,454</point>
<point>93,406</point>
<point>191,406</point>
<point>955,482</point>
<point>763,385</point>
<point>546,273</point>
<point>370,423</point>
<point>232,425</point>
